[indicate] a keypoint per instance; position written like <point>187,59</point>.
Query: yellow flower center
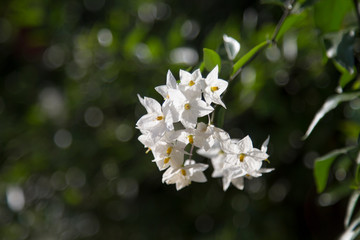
<point>169,150</point>
<point>241,157</point>
<point>148,150</point>
<point>191,139</point>
<point>191,83</point>
<point>183,172</point>
<point>187,106</point>
<point>159,118</point>
<point>166,160</point>
<point>213,89</point>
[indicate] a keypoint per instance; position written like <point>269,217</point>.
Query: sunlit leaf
<point>322,166</point>
<point>232,46</point>
<point>340,47</point>
<point>211,59</point>
<point>331,103</point>
<point>290,21</point>
<point>351,206</point>
<point>329,14</point>
<point>240,63</point>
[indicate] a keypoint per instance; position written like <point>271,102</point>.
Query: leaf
<point>232,47</point>
<point>340,47</point>
<point>211,59</point>
<point>329,14</point>
<point>351,206</point>
<point>322,166</point>
<point>289,22</point>
<point>248,56</point>
<point>331,103</point>
<point>352,231</point>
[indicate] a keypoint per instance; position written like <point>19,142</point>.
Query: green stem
<point>286,13</point>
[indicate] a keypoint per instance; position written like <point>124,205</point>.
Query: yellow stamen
<point>168,151</point>
<point>191,83</point>
<point>148,150</point>
<point>221,152</point>
<point>241,157</point>
<point>167,96</point>
<point>247,175</point>
<point>187,106</point>
<point>191,139</point>
<point>159,118</point>
<point>183,172</point>
<point>166,160</point>
<point>267,160</point>
<point>213,89</point>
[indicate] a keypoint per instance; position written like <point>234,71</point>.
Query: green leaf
<point>329,14</point>
<point>240,63</point>
<point>340,47</point>
<point>322,166</point>
<point>331,103</point>
<point>211,59</point>
<point>351,206</point>
<point>290,21</point>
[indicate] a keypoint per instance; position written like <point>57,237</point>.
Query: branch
<point>286,13</point>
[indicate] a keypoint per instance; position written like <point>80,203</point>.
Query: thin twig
<point>286,13</point>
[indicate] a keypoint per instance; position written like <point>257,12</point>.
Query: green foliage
<point>331,103</point>
<point>244,59</point>
<point>329,14</point>
<point>340,47</point>
<point>211,59</point>
<point>322,166</point>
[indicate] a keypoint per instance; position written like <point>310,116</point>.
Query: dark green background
<point>93,180</point>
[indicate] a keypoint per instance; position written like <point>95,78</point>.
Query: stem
<point>191,151</point>
<point>286,13</point>
<point>288,8</point>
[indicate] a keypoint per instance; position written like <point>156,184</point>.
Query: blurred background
<point>70,163</point>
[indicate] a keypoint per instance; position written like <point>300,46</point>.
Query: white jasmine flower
<point>200,137</point>
<point>190,83</point>
<point>168,154</point>
<point>170,84</point>
<point>183,176</point>
<point>214,87</point>
<point>154,122</point>
<point>188,109</point>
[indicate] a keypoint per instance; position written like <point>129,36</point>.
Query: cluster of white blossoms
<point>186,101</point>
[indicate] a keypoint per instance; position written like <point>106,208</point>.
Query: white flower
<point>183,176</point>
<point>154,122</point>
<point>170,84</point>
<point>168,154</point>
<point>200,137</point>
<point>190,83</point>
<point>243,160</point>
<point>187,110</point>
<point>214,87</point>
<point>217,157</point>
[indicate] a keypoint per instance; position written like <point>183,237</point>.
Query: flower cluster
<point>169,141</point>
